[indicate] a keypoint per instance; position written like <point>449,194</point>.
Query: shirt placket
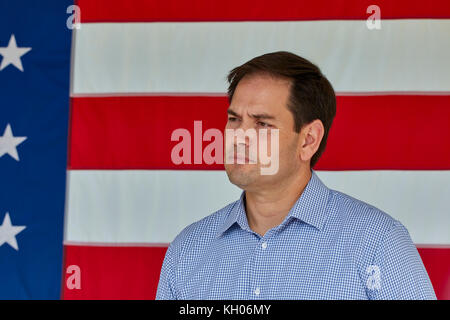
<point>260,272</point>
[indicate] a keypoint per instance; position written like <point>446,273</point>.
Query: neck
<point>267,208</point>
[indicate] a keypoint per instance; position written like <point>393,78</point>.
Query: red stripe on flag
<point>113,272</point>
<point>437,263</point>
<point>404,132</point>
<point>133,272</point>
<point>236,10</point>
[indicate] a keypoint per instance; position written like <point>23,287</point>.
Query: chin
<point>239,176</point>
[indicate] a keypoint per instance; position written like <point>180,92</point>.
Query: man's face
<point>260,102</point>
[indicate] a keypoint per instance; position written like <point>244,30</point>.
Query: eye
<point>232,119</point>
<point>264,124</point>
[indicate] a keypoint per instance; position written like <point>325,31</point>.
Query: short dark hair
<point>311,95</point>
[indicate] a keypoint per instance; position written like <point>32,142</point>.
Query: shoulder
<point>360,215</point>
<point>362,224</point>
<point>369,229</point>
<point>381,245</point>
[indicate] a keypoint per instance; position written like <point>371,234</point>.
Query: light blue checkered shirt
<point>329,246</point>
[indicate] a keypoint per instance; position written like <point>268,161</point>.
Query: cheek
<point>287,149</point>
<point>269,141</point>
<point>264,143</point>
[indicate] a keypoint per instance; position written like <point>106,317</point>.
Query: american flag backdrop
<point>89,195</point>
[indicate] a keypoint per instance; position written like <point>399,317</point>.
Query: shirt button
<point>257,291</point>
<point>264,245</point>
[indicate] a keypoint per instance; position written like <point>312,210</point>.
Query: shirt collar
<point>310,207</point>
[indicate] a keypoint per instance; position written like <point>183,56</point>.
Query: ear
<point>312,135</point>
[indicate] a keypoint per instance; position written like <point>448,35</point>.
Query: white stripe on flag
<point>139,205</point>
<point>405,55</point>
<point>134,206</point>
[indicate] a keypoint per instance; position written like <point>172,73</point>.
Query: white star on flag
<point>11,54</point>
<point>8,143</point>
<point>8,232</point>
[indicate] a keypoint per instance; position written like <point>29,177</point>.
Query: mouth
<point>241,159</point>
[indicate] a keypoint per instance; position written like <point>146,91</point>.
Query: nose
<point>245,125</point>
<point>239,141</point>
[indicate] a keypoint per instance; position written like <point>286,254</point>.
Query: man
<point>289,236</point>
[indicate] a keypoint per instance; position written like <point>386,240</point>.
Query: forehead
<point>261,93</point>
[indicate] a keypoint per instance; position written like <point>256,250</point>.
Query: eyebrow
<point>256,116</point>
